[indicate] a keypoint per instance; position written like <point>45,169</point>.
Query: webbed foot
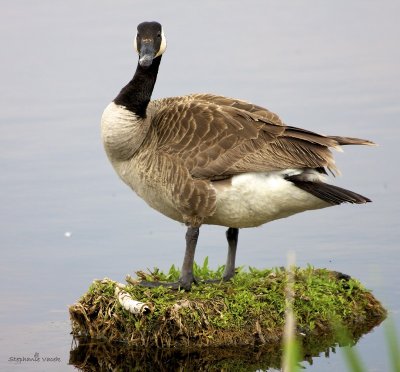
<point>185,284</point>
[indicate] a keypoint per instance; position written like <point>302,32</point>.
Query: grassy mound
<point>247,311</point>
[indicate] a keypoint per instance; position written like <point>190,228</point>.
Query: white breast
<point>252,199</point>
<point>122,131</point>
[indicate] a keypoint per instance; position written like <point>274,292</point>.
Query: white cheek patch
<point>163,45</point>
<point>135,44</point>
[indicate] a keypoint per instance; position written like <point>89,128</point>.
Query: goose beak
<point>146,54</point>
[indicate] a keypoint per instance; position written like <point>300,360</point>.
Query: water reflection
<point>91,355</point>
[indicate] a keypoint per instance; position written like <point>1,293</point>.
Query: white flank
<point>253,199</point>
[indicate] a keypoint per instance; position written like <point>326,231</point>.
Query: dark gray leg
<point>232,237</point>
<point>187,277</point>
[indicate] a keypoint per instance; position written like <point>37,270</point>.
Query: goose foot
<point>224,279</point>
<point>180,284</point>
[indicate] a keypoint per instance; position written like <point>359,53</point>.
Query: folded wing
<point>216,137</point>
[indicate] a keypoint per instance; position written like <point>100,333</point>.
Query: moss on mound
<point>249,310</point>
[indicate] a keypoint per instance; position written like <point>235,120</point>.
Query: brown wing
<point>216,137</point>
<point>240,104</point>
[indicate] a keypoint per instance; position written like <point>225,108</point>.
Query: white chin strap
<point>163,45</point>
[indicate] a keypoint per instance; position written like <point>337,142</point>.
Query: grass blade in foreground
<point>353,359</point>
<point>351,356</point>
<point>291,354</point>
<point>393,345</point>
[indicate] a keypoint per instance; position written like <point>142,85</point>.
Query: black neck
<point>135,96</point>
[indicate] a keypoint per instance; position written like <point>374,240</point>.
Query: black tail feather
<point>331,194</point>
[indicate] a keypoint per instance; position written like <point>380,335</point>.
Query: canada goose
<point>207,159</point>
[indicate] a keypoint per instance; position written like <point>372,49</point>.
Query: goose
<point>209,159</point>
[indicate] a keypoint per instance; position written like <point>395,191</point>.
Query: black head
<point>150,42</point>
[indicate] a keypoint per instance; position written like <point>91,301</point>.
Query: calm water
<point>328,67</point>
